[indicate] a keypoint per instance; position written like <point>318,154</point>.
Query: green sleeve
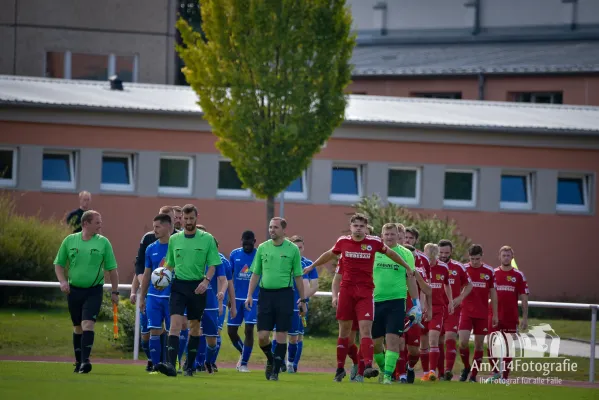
<point>256,267</point>
<point>297,262</point>
<point>62,255</point>
<point>170,254</point>
<point>109,259</point>
<point>212,258</point>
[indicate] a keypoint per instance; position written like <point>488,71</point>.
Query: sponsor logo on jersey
<point>355,254</point>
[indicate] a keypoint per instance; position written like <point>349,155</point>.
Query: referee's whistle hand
<point>64,287</point>
<point>201,288</point>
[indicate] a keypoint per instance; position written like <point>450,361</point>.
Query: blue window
<point>297,186</point>
<point>346,183</point>
<point>117,172</point>
<point>515,191</point>
<point>572,193</point>
<point>58,170</point>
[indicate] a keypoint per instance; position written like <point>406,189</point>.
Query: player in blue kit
<point>229,294</point>
<point>154,301</point>
<point>296,334</point>
<point>241,261</point>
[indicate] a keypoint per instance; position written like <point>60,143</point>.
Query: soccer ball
<point>161,278</point>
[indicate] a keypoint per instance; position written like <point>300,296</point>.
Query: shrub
<point>431,228</point>
<point>28,246</point>
<point>321,315</point>
<point>126,323</point>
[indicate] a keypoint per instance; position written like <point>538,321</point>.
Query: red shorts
<point>439,315</point>
<point>478,326</point>
<point>451,323</point>
<point>412,336</point>
<point>355,304</point>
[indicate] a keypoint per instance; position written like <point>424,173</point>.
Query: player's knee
<point>211,341</point>
<point>145,336</point>
<point>300,338</point>
<point>194,327</point>
<point>77,329</point>
<point>249,330</point>
<point>88,325</point>
<point>293,339</point>
<point>155,332</point>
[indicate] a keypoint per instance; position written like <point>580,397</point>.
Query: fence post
<point>137,329</point>
<point>593,341</point>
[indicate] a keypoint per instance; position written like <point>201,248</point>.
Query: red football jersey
<point>458,278</point>
<point>422,273</point>
<point>510,285</point>
<point>439,276</point>
<point>358,259</point>
<point>422,261</point>
<point>476,304</point>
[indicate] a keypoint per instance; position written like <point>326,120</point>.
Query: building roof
<point>366,110</point>
<point>474,58</point>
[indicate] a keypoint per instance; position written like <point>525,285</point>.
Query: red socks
<point>450,354</point>
<point>441,362</point>
<point>367,350</point>
<point>413,360</point>
<point>434,358</point>
<point>342,349</point>
<point>465,356</point>
<point>506,367</point>
<point>353,353</point>
<point>478,359</point>
<point>424,360</point>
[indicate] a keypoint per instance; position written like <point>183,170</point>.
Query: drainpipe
<point>475,4</point>
<point>481,86</point>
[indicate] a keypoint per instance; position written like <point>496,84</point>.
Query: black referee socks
<point>280,351</point>
<point>192,350</point>
<point>266,349</point>
<point>173,349</point>
<point>77,346</point>
<point>87,342</point>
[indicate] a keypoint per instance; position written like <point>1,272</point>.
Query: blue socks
<point>298,354</point>
<point>291,352</point>
<point>245,355</point>
<point>155,349</point>
<point>211,354</point>
<point>183,343</point>
<point>146,348</point>
<point>218,343</point>
<point>201,357</point>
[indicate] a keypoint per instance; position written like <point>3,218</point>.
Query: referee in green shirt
<point>188,254</point>
<point>87,255</point>
<point>276,264</point>
<point>391,287</point>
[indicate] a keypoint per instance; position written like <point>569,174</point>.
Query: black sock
<point>267,350</point>
<point>280,351</point>
<point>172,349</point>
<point>163,347</point>
<point>87,342</point>
<point>77,346</point>
<point>192,350</point>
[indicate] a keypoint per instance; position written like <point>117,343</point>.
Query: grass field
<point>19,380</point>
<point>47,332</point>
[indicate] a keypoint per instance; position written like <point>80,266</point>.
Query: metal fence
<point>540,304</point>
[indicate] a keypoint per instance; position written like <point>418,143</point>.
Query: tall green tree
<point>270,76</point>
<point>430,227</point>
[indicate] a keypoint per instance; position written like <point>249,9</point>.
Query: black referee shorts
<point>84,303</point>
<point>389,317</point>
<point>183,297</point>
<point>275,308</point>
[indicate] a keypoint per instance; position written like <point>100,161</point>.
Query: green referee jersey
<point>390,278</point>
<point>189,256</point>
<point>87,259</point>
<point>277,265</point>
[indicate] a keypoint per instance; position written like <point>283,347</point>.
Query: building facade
<point>523,175</point>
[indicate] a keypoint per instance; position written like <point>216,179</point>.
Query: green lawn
<point>48,332</point>
<point>47,380</point>
<point>569,329</point>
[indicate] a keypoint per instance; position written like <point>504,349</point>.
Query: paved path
<point>256,367</point>
<point>577,349</point>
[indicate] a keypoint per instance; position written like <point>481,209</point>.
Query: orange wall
<point>577,89</point>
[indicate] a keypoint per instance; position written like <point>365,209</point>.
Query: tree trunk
<point>270,213</point>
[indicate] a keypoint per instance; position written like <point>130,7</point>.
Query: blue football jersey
<point>228,274</point>
<point>211,300</point>
<point>155,257</point>
<point>241,262</point>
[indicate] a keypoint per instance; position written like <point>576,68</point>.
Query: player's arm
<point>493,295</point>
<point>256,269</point>
<point>447,287</point>
<point>335,287</point>
<point>60,263</point>
<point>397,258</point>
<point>141,257</point>
<point>110,265</point>
<point>523,289</point>
<point>424,286</point>
<point>324,258</point>
<point>463,294</point>
<point>310,287</point>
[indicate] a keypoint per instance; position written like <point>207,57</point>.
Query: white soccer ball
<point>161,278</point>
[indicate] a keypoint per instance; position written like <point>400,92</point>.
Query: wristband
<point>415,302</point>
<point>115,293</point>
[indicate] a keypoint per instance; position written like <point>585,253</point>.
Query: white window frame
<point>513,205</point>
<point>586,182</point>
<point>407,200</point>
<point>172,189</point>
<point>230,192</point>
<point>60,184</point>
<point>13,180</point>
<point>462,203</point>
<point>303,195</point>
<point>348,197</point>
<point>110,63</point>
<point>117,187</point>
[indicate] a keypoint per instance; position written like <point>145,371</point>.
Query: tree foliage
<point>431,228</point>
<point>270,76</point>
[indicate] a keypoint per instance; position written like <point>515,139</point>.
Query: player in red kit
<point>474,316</point>
<point>511,285</point>
<point>461,285</point>
<point>356,297</point>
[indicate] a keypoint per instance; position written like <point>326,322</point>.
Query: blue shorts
<point>157,311</point>
<point>221,318</point>
<point>250,317</point>
<point>143,322</point>
<point>209,323</point>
